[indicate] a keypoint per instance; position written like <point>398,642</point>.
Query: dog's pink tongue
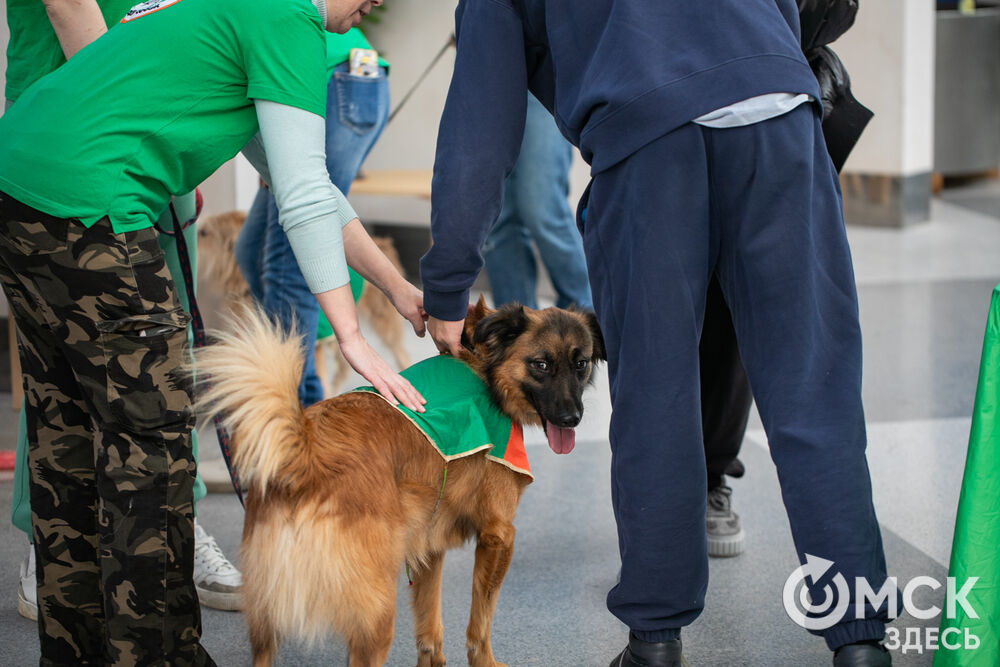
<point>561,440</point>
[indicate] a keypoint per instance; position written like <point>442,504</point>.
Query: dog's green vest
<point>460,418</point>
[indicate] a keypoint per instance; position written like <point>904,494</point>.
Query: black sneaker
<point>862,654</point>
<point>650,654</point>
<point>722,524</point>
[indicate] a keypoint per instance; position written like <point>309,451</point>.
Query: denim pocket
<point>358,100</point>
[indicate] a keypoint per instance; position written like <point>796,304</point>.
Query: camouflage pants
<point>100,336</point>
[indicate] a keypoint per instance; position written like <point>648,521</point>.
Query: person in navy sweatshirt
<point>700,124</point>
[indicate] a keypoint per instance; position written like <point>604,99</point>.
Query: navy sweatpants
<point>761,206</point>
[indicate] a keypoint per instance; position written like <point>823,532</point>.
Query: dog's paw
<point>430,657</point>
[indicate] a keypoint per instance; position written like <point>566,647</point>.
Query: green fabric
<point>323,328</point>
<point>338,47</point>
<point>157,104</point>
<point>33,50</point>
<point>975,550</point>
<point>460,417</point>
<point>20,501</point>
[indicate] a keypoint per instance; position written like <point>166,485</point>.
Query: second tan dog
<point>342,494</point>
<point>217,266</point>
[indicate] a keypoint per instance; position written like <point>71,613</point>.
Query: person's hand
<point>409,301</point>
<point>389,383</point>
<point>447,335</point>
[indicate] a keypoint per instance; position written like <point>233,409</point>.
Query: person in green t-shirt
<point>89,156</point>
<point>42,38</point>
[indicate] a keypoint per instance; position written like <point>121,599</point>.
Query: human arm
<point>312,212</point>
<point>478,141</point>
<point>75,22</point>
<point>254,153</point>
<point>365,257</point>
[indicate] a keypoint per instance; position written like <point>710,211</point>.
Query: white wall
<point>889,54</point>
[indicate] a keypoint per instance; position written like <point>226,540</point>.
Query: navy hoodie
<point>616,74</point>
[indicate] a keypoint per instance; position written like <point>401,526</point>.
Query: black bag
<point>844,118</point>
<point>823,21</point>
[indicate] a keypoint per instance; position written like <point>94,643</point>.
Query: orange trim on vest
<point>515,455</point>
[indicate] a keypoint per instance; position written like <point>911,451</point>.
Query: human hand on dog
<point>409,301</point>
<point>338,306</point>
<point>389,383</point>
<point>447,335</point>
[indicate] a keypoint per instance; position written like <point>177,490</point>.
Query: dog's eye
<point>582,364</point>
<point>540,365</point>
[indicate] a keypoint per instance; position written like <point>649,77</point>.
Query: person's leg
<point>507,252</point>
<point>217,580</point>
<point>725,391</point>
<point>250,244</point>
<point>541,191</point>
<point>646,234</point>
<point>725,408</point>
<point>20,505</point>
<point>71,626</point>
<point>785,268</point>
<point>60,464</point>
<point>107,348</point>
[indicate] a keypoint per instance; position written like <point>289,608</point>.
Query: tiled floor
<point>924,292</point>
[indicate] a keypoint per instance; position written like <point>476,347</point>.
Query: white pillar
<point>889,54</point>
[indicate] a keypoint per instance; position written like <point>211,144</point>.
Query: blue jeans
<point>356,112</point>
<point>535,210</point>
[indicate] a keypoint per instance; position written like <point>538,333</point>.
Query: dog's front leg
<point>425,599</point>
<point>494,549</point>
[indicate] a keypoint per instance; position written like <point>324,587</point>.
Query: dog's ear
<point>495,332</point>
<point>599,353</point>
<point>479,311</point>
<point>475,315</point>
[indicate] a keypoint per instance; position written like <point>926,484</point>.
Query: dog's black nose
<point>568,419</point>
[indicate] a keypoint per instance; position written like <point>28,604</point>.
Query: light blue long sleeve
<point>311,209</point>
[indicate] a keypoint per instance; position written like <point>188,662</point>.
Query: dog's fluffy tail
<point>249,376</point>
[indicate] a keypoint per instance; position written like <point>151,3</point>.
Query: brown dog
<point>342,494</point>
<point>217,267</point>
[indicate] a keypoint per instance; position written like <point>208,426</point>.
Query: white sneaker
<point>27,591</point>
<point>218,582</point>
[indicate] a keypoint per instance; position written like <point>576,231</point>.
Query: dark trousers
<point>101,336</point>
<point>725,391</point>
<point>760,206</point>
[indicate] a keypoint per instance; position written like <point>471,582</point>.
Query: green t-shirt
<point>157,104</point>
<point>33,50</point>
<point>338,47</point>
<point>461,418</point>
